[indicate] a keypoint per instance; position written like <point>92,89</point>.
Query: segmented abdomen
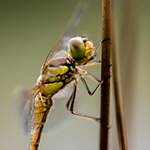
<point>41,110</point>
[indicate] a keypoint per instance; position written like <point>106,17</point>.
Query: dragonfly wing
<point>58,117</point>
<point>25,99</point>
<point>73,23</point>
<point>24,107</point>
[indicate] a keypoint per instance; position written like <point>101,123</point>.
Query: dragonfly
<point>56,74</point>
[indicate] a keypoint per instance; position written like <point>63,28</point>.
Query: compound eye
<point>76,48</point>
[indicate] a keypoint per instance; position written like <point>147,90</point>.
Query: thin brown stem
<point>106,61</point>
<point>121,127</point>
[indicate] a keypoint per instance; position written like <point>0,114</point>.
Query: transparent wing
<point>74,21</point>
<point>25,99</point>
<point>58,117</point>
<point>24,107</point>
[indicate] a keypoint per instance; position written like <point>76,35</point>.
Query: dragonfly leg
<point>70,108</point>
<point>93,63</point>
<point>88,75</point>
<point>72,97</point>
<point>94,78</point>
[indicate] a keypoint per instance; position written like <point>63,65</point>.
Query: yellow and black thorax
<point>59,72</point>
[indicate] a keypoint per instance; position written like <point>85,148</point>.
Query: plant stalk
<point>120,118</point>
<point>105,71</point>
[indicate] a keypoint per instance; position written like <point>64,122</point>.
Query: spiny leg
<point>87,87</point>
<point>92,77</point>
<point>91,93</point>
<point>93,63</point>
<point>88,75</point>
<point>70,106</point>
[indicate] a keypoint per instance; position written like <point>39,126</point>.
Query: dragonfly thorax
<point>80,49</point>
<point>58,73</point>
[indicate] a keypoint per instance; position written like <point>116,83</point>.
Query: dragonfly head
<point>80,49</point>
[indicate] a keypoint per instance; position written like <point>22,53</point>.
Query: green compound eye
<point>76,48</point>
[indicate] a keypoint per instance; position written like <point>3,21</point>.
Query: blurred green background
<point>29,29</point>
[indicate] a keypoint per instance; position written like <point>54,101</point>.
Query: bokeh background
<point>29,29</point>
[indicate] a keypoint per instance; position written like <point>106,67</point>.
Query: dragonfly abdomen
<point>41,110</point>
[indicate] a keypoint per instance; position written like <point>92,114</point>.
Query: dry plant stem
<point>106,61</point>
<point>121,127</point>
